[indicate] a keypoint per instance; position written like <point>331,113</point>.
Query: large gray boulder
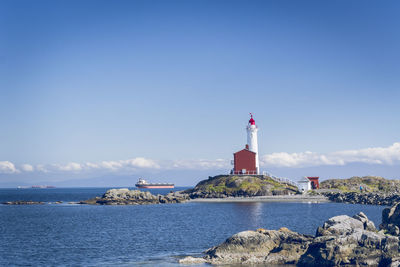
<point>391,220</point>
<point>344,240</point>
<point>261,246</point>
<point>368,225</point>
<point>339,225</point>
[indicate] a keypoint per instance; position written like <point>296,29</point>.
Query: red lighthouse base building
<point>244,162</point>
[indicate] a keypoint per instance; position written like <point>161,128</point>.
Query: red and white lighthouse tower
<point>252,139</point>
<point>246,161</point>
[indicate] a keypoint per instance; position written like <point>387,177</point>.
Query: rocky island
<point>374,190</point>
<point>363,198</point>
<point>124,196</point>
<point>223,186</point>
<point>340,241</point>
<point>372,184</point>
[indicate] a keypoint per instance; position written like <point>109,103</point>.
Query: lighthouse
<point>252,139</point>
<point>245,161</point>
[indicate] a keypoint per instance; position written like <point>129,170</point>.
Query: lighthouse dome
<point>252,121</point>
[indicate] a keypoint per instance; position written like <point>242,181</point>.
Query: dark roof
<point>244,150</point>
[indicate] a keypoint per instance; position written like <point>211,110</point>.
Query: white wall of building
<point>304,185</point>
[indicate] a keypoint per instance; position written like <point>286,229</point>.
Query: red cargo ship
<point>144,184</point>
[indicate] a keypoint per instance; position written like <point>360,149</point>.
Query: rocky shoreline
<point>374,184</point>
<point>281,198</point>
<point>340,241</point>
<point>124,196</point>
<point>369,190</point>
<point>217,187</point>
<point>363,198</point>
<point>253,188</point>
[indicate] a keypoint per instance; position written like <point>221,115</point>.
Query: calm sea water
<point>66,234</point>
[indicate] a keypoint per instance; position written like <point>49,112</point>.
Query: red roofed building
<point>244,162</point>
<point>314,182</point>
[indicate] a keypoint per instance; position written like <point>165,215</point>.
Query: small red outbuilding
<point>314,182</point>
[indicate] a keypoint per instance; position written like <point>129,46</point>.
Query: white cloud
<point>141,163</point>
<point>138,162</point>
<point>378,155</point>
<point>72,166</point>
<point>42,168</point>
<point>27,168</point>
<point>92,165</point>
<point>201,164</point>
<point>7,167</point>
<point>119,165</point>
<point>111,165</point>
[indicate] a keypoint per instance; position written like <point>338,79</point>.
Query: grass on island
<point>250,185</point>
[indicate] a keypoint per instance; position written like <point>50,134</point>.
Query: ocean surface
<point>146,235</point>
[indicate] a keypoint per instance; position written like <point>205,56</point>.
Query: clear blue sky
<point>92,81</point>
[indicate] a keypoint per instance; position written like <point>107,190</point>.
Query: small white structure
<point>304,184</point>
<point>252,140</point>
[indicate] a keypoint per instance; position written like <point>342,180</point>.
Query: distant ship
<point>144,184</point>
